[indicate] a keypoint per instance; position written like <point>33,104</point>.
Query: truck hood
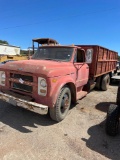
<point>44,67</point>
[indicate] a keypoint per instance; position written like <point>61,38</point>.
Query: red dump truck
<point>55,76</point>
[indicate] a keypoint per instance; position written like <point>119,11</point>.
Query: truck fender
<point>63,82</point>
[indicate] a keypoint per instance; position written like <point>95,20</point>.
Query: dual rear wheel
<point>103,82</point>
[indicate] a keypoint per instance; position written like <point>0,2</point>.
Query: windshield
<point>53,53</point>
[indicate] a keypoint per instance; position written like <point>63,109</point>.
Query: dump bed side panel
<point>104,60</point>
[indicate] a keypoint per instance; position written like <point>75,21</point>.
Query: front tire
<point>112,121</point>
<point>59,112</point>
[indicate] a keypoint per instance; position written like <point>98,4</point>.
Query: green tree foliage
<point>23,52</point>
<point>3,42</point>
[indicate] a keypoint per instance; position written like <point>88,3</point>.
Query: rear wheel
<point>112,121</point>
<point>59,112</point>
<point>105,82</point>
<point>98,82</point>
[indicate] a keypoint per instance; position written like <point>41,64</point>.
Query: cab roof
<point>45,41</point>
<point>49,42</point>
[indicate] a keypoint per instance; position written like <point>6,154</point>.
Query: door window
<point>80,56</point>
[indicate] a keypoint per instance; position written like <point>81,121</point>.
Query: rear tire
<point>98,82</point>
<point>112,120</point>
<point>105,82</point>
<point>59,112</point>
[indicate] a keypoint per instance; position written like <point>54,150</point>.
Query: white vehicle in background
<point>6,49</point>
<point>9,52</point>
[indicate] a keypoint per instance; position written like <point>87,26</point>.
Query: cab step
<point>81,94</point>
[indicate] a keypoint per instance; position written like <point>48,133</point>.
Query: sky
<point>95,22</point>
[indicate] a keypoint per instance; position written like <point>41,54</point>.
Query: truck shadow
<point>103,106</point>
<point>19,118</point>
<point>102,143</point>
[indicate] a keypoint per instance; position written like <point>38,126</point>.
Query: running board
<point>81,94</point>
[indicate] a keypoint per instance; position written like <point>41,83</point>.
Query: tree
<point>3,42</point>
<point>23,52</point>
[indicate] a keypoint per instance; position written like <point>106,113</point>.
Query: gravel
<point>25,135</point>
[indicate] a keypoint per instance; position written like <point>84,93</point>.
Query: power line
<point>58,19</point>
<point>24,12</point>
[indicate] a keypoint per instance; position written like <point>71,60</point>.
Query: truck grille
<point>21,86</point>
<point>23,77</point>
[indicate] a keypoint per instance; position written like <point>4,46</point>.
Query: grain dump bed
<point>104,60</point>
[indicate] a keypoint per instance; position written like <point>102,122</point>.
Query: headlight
<point>43,83</point>
<point>2,78</point>
<point>42,86</point>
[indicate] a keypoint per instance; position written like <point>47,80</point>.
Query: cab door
<point>81,68</point>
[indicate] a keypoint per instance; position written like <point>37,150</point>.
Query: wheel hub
<point>65,102</point>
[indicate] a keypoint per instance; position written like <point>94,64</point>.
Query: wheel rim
<point>65,103</point>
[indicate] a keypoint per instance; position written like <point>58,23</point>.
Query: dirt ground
<point>25,135</point>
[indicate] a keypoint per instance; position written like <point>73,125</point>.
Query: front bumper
<point>32,106</point>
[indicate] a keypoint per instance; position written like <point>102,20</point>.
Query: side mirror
<point>89,55</point>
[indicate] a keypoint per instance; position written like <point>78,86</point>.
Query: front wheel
<point>59,112</point>
<point>112,121</point>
